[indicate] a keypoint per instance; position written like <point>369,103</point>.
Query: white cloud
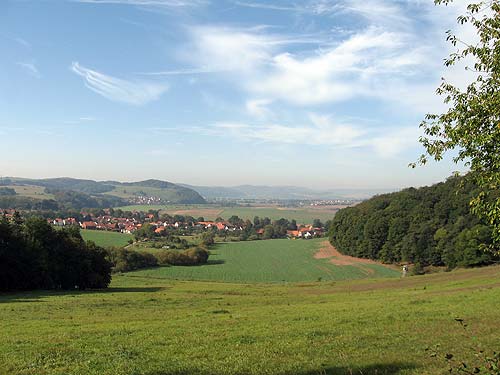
<point>229,49</point>
<point>259,108</point>
<point>120,90</point>
<point>352,68</point>
<point>30,68</point>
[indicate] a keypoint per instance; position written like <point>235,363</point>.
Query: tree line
<point>426,226</point>
<point>34,255</point>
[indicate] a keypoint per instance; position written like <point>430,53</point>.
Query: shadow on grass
<point>373,369</point>
<point>213,262</point>
<point>34,296</point>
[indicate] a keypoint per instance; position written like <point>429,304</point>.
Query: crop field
<point>302,215</point>
<point>105,238</point>
<point>270,261</point>
<point>210,212</point>
<point>155,326</point>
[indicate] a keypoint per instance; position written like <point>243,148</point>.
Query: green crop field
<point>104,238</point>
<point>302,215</point>
<point>154,326</point>
<point>269,261</point>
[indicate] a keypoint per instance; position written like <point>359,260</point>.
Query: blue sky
<point>316,93</point>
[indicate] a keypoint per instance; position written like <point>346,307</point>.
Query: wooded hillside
<point>430,225</point>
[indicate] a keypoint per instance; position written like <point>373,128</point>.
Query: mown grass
<point>269,261</point>
<point>155,326</point>
<point>105,238</point>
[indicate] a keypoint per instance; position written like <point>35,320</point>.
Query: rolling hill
<point>282,192</point>
<point>58,193</point>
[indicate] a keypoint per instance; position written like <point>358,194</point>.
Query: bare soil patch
<point>328,251</point>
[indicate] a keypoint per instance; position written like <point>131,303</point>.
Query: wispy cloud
<point>23,42</point>
<point>307,6</point>
<point>319,131</point>
<point>120,90</point>
<point>179,72</point>
<point>161,3</point>
<point>80,120</point>
<point>31,68</point>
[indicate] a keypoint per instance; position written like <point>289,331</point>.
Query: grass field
<point>154,326</point>
<point>104,238</point>
<point>211,212</point>
<point>269,261</point>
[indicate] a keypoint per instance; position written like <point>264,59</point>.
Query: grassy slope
<point>159,327</point>
<point>268,261</point>
<point>30,191</point>
<point>103,238</point>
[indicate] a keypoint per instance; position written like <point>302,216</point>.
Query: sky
<point>314,93</point>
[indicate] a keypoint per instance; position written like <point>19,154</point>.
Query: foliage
<point>69,199</point>
<point>207,239</point>
<point>33,255</point>
<point>190,257</point>
<point>471,124</point>
<point>7,191</point>
<point>124,260</point>
<point>430,226</point>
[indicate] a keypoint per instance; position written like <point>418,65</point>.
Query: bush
<point>189,257</point>
<point>124,260</point>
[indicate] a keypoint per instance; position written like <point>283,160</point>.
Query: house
<point>206,224</point>
<point>221,226</point>
<point>159,230</point>
<point>88,225</point>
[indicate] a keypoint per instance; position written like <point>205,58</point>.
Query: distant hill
<point>63,193</point>
<point>282,192</point>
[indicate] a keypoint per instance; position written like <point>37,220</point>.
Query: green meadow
<point>106,238</point>
<point>269,261</point>
<point>154,326</point>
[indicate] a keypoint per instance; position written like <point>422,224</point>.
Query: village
<point>186,225</point>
